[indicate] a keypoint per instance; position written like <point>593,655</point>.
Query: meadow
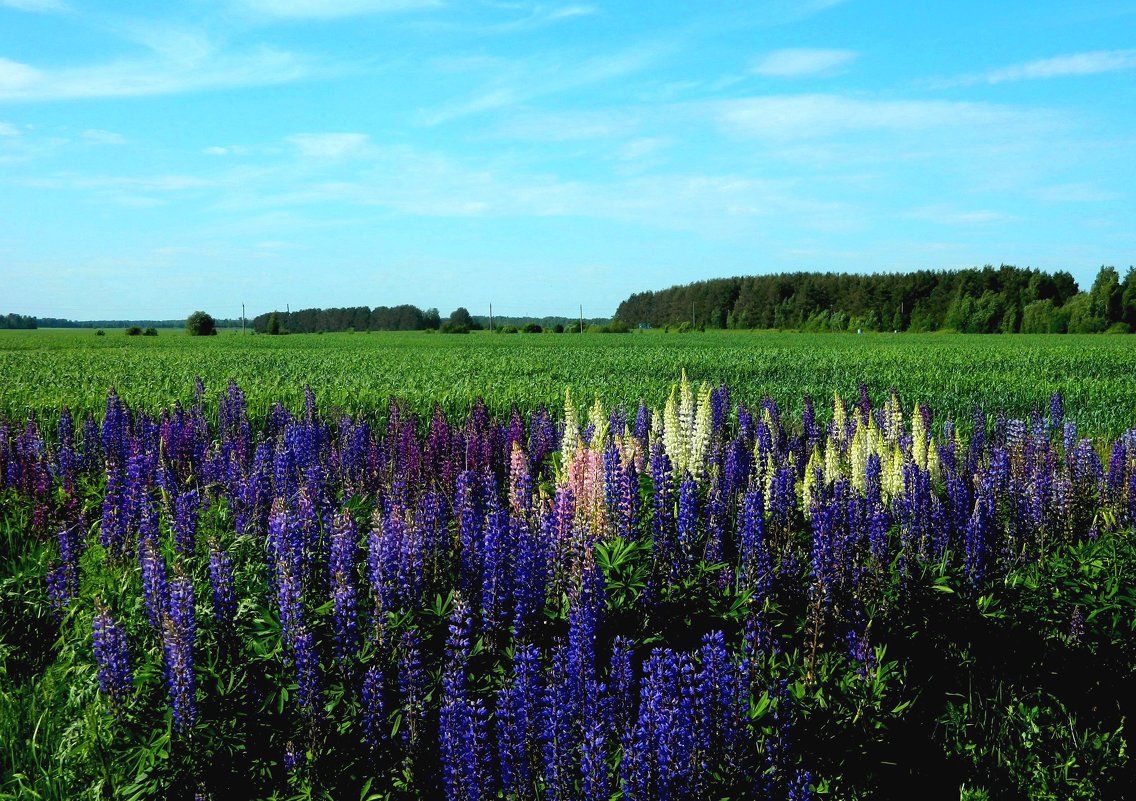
<point>722,565</point>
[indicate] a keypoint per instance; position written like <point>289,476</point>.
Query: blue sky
<point>159,158</point>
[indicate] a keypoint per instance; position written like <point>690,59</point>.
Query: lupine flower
<point>115,678</point>
<point>180,628</point>
<point>221,582</point>
<point>374,729</point>
<point>341,565</point>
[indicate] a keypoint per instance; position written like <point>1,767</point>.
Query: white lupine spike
<point>934,467</point>
<point>858,459</point>
<point>600,425</point>
<point>686,408</point>
<point>571,440</point>
<point>703,428</point>
<point>673,441</point>
<point>918,439</point>
<point>831,462</point>
<point>839,418</point>
<point>809,488</point>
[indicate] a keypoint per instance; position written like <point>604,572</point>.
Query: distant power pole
<point>692,314</point>
<point>242,319</point>
<point>491,318</point>
<point>581,318</point>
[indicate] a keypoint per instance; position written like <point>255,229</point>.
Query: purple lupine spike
<point>720,717</point>
<point>687,520</point>
<point>595,778</point>
<point>221,582</point>
<point>341,566</point>
<point>374,728</point>
<point>800,788</point>
<point>116,681</point>
<point>642,423</point>
<point>187,506</point>
<point>755,564</point>
<point>517,722</point>
<point>719,407</point>
<point>155,582</point>
<point>179,631</point>
<point>1056,411</point>
<point>63,580</point>
<point>413,683</point>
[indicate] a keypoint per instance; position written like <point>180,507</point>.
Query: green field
<point>359,373</point>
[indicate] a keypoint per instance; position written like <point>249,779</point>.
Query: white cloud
<point>945,215</point>
<point>227,150</point>
<point>98,137</point>
<point>799,62</point>
<point>155,76</point>
<point>333,9</point>
<point>1091,63</point>
<point>330,145</point>
<point>1077,193</point>
<point>791,117</point>
<point>528,80</point>
<point>38,6</point>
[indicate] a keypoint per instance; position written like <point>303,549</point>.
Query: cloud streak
<point>801,62</point>
<point>1071,65</point>
<point>155,76</point>
<point>333,9</point>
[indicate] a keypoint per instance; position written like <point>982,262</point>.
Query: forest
<point>1003,299</point>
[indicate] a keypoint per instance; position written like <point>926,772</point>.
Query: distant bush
<point>200,324</point>
<point>150,332</point>
<point>531,328</point>
<point>134,331</point>
<point>558,329</point>
<point>1119,328</point>
<point>100,333</point>
<point>507,329</point>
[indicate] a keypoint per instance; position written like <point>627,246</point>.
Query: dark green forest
<point>358,318</point>
<point>989,300</point>
<point>16,321</point>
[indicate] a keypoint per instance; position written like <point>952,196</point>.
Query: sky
<point>157,158</point>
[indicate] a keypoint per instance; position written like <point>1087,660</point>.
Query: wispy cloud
<point>8,129</point>
<point>153,76</point>
<point>1075,64</point>
<point>528,80</point>
<point>98,137</point>
<point>333,9</point>
<point>36,6</point>
<point>946,215</point>
<point>791,117</point>
<point>802,61</point>
<point>329,145</point>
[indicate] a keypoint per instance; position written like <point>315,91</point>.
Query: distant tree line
<point>1005,299</point>
<point>546,323</point>
<point>59,322</point>
<point>17,321</point>
<point>357,318</point>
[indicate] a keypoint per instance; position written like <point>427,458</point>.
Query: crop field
<point>360,373</point>
<point>650,566</point>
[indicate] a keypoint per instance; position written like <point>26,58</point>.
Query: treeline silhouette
<point>16,321</point>
<point>1005,299</point>
<point>60,322</point>
<point>357,318</point>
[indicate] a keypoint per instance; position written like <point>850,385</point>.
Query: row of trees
<point>989,300</point>
<point>357,318</point>
<point>8,321</point>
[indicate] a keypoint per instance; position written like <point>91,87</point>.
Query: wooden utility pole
<point>242,319</point>
<point>581,318</point>
<point>692,314</point>
<point>491,318</point>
